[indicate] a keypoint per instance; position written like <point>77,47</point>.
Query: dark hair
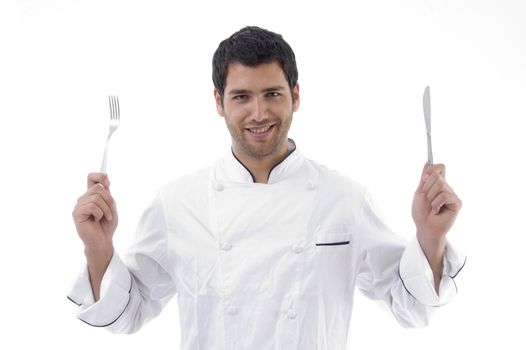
<point>252,46</point>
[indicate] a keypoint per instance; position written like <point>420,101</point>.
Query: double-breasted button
<point>226,246</point>
<point>232,310</point>
<point>218,187</point>
<point>297,249</point>
<point>311,186</point>
<point>291,314</point>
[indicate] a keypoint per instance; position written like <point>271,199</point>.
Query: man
<point>265,247</point>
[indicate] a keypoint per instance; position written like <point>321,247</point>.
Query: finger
<point>86,210</point>
<point>427,171</point>
<point>446,200</point>
<point>436,188</point>
<point>99,189</point>
<point>95,178</point>
<point>105,206</point>
<point>440,168</point>
<point>422,176</point>
<point>438,203</point>
<point>430,181</point>
<point>99,201</point>
<point>434,168</point>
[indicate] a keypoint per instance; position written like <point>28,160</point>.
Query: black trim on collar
<point>292,148</point>
<point>292,144</point>
<point>240,162</point>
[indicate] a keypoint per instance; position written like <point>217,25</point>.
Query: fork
<point>115,118</point>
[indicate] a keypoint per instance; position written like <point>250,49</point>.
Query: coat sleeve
<point>135,288</point>
<point>397,273</point>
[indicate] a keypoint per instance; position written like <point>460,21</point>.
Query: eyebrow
<point>245,91</point>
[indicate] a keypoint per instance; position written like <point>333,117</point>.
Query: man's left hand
<point>435,204</point>
<point>435,208</point>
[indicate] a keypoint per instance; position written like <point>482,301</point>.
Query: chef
<point>265,247</point>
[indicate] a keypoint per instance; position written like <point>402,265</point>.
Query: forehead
<point>240,76</point>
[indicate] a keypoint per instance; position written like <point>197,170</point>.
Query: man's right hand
<point>96,219</point>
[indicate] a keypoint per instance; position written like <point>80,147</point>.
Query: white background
<point>363,66</point>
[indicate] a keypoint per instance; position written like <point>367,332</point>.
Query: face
<point>257,106</point>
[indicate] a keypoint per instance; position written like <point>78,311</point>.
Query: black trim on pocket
<point>334,243</point>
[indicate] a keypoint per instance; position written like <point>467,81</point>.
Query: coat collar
<point>231,170</point>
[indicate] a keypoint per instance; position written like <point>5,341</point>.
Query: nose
<point>259,112</point>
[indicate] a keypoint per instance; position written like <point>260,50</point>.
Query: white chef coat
<point>264,266</point>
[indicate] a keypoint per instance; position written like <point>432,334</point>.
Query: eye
<point>240,97</point>
<point>273,94</point>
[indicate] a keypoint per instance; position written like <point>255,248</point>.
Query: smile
<point>260,130</point>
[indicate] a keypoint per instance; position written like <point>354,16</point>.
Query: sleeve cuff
<point>114,295</point>
<point>417,277</point>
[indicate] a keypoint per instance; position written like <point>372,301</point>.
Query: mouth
<point>261,131</point>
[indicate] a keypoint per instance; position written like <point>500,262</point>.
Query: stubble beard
<point>260,150</point>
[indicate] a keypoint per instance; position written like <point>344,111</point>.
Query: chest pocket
<point>333,239</point>
<point>335,253</point>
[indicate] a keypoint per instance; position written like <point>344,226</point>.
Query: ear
<point>219,103</point>
<point>296,95</point>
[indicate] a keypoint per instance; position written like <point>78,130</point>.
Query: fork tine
<point>114,107</point>
<point>114,124</point>
<point>111,107</point>
<point>118,108</point>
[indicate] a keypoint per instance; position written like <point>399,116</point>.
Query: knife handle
<point>429,150</point>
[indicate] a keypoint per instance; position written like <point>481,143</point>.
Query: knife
<point>427,118</point>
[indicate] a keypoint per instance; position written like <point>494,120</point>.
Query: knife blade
<point>427,118</point>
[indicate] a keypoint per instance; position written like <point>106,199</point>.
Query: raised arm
<point>435,208</point>
<point>96,219</point>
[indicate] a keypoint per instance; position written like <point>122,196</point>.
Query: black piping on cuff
<point>452,278</point>
<point>73,301</point>
<point>464,264</point>
<point>112,322</point>
<point>115,320</point>
<point>408,292</point>
<point>403,284</point>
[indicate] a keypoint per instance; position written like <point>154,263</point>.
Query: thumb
<point>428,170</point>
<point>98,178</point>
<point>425,174</point>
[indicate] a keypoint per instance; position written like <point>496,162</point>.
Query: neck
<point>260,167</point>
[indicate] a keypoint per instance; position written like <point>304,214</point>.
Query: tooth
<point>259,130</point>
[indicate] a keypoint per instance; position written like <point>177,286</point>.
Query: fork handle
<point>105,156</point>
